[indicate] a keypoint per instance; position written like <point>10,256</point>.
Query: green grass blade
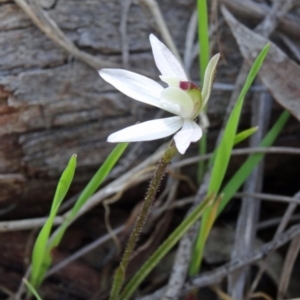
<point>222,160</point>
<point>90,189</point>
<point>31,289</point>
<point>164,248</point>
<point>203,38</point>
<point>64,184</point>
<point>39,253</point>
<point>228,139</point>
<point>100,176</point>
<point>245,170</point>
<point>241,136</point>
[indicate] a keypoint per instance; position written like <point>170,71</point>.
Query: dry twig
<point>275,221</point>
<point>216,276</point>
<point>257,11</point>
<point>123,31</point>
<point>289,43</point>
<point>189,41</point>
<point>42,20</point>
<point>239,151</point>
<point>282,225</point>
<point>83,251</point>
<point>161,24</point>
<point>288,267</point>
<point>248,217</point>
<point>270,197</point>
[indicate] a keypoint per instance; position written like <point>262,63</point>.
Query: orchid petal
<point>190,132</point>
<point>166,62</point>
<point>175,97</point>
<point>134,85</point>
<point>171,81</point>
<point>197,132</point>
<point>147,131</point>
<point>209,77</point>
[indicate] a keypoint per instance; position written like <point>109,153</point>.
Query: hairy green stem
<point>120,273</point>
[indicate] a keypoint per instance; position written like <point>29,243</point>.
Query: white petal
<point>190,132</point>
<point>166,62</point>
<point>171,81</point>
<point>170,107</point>
<point>147,131</point>
<point>209,77</point>
<point>177,98</point>
<point>134,85</point>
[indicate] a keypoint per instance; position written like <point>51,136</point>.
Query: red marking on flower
<point>188,85</point>
<point>184,85</point>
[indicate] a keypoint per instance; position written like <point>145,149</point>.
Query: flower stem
<point>120,273</point>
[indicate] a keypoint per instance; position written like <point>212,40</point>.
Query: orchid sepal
<point>209,77</point>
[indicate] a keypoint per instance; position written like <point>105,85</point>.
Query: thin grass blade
<point>203,36</point>
<point>204,53</point>
<point>222,160</point>
<point>39,253</point>
<point>89,190</point>
<point>241,136</point>
<point>31,289</point>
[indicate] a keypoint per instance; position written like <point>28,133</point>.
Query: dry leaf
<point>279,74</point>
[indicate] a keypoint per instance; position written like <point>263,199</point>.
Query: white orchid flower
<point>181,98</point>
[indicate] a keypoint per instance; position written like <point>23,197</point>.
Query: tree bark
<point>52,105</point>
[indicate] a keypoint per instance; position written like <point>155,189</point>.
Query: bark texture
<point>52,105</point>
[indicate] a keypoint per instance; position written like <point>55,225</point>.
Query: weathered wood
<point>253,11</point>
<point>52,105</point>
